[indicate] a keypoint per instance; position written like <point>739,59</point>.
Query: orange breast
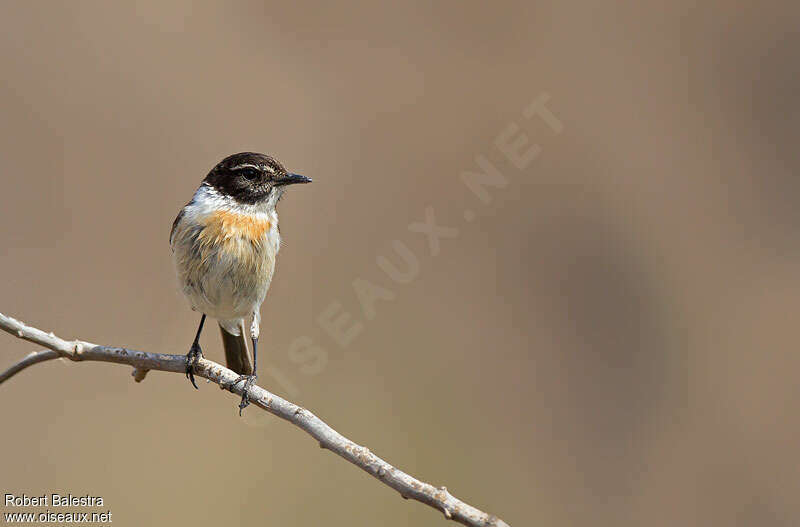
<point>223,226</point>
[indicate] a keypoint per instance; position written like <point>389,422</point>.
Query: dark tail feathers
<point>236,354</point>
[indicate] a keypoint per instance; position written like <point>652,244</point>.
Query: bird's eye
<point>249,173</point>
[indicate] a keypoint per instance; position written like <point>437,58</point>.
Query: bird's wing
<point>175,223</point>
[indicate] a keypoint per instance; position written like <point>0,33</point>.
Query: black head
<point>251,178</point>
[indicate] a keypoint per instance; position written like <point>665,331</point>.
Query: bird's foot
<point>192,358</point>
<point>248,382</point>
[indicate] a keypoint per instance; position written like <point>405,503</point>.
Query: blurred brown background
<point>611,341</point>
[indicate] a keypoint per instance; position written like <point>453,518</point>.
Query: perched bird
<point>224,243</point>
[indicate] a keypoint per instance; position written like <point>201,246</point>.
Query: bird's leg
<point>248,380</point>
<point>255,328</point>
<point>194,353</point>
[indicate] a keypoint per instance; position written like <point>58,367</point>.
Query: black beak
<point>292,179</point>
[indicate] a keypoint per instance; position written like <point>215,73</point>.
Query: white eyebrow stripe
<point>257,167</point>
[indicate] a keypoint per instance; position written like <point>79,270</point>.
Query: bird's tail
<point>236,355</point>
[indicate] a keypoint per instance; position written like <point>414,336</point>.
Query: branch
<point>408,486</point>
<point>33,357</point>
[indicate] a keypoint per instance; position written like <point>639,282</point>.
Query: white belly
<point>228,287</point>
<point>225,259</point>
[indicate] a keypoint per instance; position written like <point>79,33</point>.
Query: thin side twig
<point>32,358</point>
<point>328,438</point>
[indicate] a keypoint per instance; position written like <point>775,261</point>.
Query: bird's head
<point>251,178</point>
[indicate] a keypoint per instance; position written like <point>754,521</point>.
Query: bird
<point>224,245</point>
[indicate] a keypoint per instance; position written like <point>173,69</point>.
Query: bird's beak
<point>292,179</point>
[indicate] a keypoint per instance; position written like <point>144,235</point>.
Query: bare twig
<point>408,486</point>
<point>33,357</point>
